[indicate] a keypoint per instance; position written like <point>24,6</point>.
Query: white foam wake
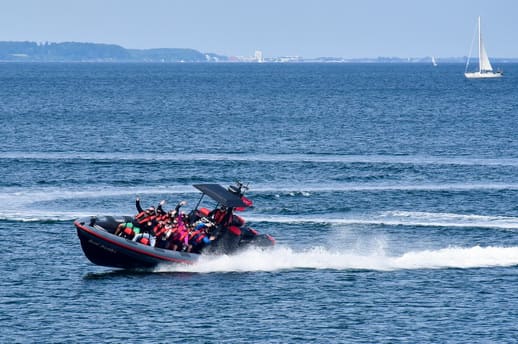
<point>45,216</point>
<point>27,196</point>
<point>398,218</point>
<point>284,258</point>
<point>306,189</point>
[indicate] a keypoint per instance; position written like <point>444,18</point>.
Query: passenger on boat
<point>199,237</point>
<point>170,230</point>
<point>145,219</point>
<point>152,227</point>
<point>159,211</point>
<point>163,232</point>
<point>221,215</point>
<point>145,238</point>
<point>174,212</point>
<point>157,235</point>
<point>138,206</point>
<point>127,229</point>
<point>179,239</point>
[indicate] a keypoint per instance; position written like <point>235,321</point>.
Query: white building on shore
<point>259,56</point>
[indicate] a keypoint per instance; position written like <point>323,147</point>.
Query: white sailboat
<point>434,63</point>
<point>485,70</point>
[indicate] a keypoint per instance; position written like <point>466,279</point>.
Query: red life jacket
<point>159,229</point>
<point>199,237</point>
<point>219,216</point>
<point>143,217</point>
<point>193,235</point>
<point>128,231</point>
<point>144,241</point>
<point>163,217</point>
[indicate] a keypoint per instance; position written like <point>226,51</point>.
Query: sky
<point>307,28</point>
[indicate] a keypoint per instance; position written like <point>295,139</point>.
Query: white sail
<point>483,59</point>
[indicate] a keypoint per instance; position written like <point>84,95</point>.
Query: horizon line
<point>437,57</point>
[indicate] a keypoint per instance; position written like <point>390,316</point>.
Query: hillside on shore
<point>95,52</point>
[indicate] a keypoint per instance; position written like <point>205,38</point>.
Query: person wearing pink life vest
<point>184,232</point>
<point>166,226</point>
<point>155,227</point>
<point>179,240</point>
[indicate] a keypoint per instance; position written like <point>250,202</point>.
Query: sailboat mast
<point>479,47</point>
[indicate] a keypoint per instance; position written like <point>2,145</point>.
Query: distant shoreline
<point>307,62</point>
<point>72,52</point>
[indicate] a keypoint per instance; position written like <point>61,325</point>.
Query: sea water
<point>391,190</point>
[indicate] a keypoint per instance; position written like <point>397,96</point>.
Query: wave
<point>25,195</point>
<point>318,158</point>
<point>390,218</point>
<point>28,205</point>
<point>47,217</point>
<point>307,189</point>
<point>399,218</point>
<point>18,203</point>
<point>285,258</point>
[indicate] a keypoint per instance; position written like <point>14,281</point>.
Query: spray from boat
<point>320,258</point>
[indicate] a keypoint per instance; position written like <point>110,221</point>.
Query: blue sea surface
<point>391,190</point>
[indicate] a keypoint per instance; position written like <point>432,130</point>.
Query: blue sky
<point>351,29</point>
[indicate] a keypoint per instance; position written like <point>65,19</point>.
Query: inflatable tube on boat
<point>229,240</point>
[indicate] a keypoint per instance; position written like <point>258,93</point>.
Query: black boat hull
<point>106,249</point>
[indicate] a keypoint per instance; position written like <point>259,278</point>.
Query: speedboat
<point>102,246</point>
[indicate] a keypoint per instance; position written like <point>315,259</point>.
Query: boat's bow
<point>104,248</point>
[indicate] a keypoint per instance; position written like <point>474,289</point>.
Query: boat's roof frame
<point>221,195</point>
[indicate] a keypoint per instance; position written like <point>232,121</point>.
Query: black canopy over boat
<point>224,233</point>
